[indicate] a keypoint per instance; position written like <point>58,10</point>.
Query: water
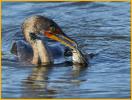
<point>98,27</point>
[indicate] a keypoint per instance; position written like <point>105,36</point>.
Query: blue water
<point>102,28</point>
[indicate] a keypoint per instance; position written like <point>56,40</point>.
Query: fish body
<point>78,58</point>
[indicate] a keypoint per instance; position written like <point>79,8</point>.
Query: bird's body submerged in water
<point>35,50</point>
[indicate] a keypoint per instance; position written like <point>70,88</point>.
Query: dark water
<point>98,27</point>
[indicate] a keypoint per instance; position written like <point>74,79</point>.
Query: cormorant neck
<point>41,54</point>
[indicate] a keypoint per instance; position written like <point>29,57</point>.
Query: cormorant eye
<point>52,28</point>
